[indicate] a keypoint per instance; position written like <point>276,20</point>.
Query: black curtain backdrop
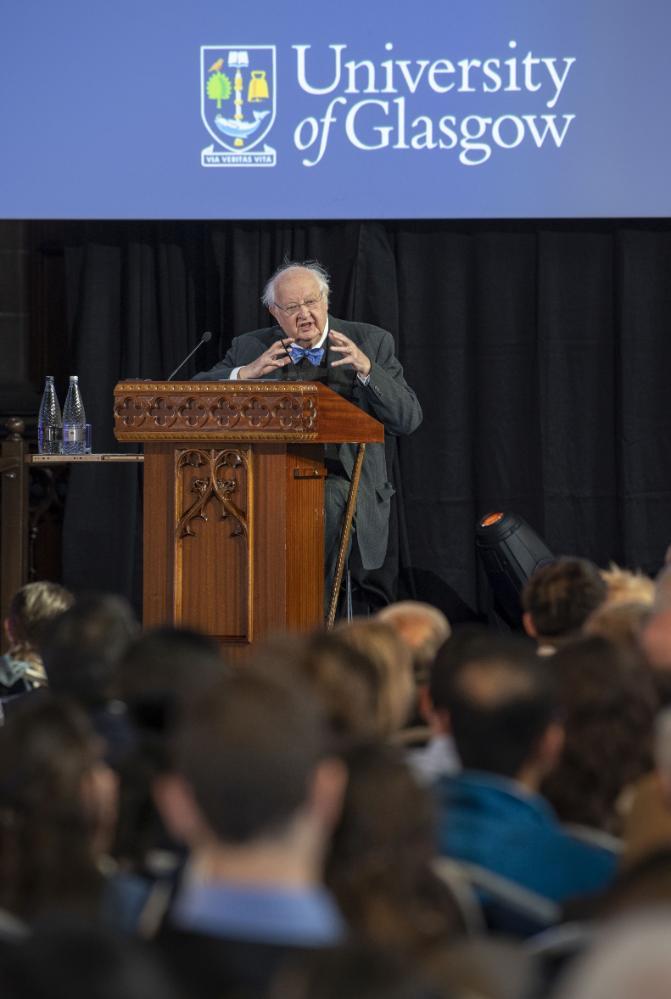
<point>540,352</point>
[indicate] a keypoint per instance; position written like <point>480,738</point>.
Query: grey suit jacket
<point>387,397</point>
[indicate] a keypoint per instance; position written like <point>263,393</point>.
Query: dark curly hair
<point>562,594</point>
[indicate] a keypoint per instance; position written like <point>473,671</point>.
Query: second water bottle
<point>74,420</point>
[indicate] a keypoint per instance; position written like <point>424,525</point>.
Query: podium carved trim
<point>193,410</point>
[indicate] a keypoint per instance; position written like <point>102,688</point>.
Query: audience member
<point>81,650</point>
<point>279,858</point>
<point>159,676</point>
<point>620,622</point>
<point>255,796</point>
<point>395,684</point>
<point>161,672</point>
<point>343,679</point>
<point>608,704</point>
<point>379,865</point>
<point>439,757</point>
<point>558,599</point>
<point>422,627</point>
<point>57,811</point>
<point>504,715</point>
<point>83,647</point>
<point>624,586</point>
<point>30,611</point>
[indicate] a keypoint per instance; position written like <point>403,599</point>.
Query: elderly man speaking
<point>354,359</point>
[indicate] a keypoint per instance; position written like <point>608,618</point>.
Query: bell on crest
<point>258,86</point>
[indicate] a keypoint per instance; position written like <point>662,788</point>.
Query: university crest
<point>237,104</point>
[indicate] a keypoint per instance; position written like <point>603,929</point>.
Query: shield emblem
<point>237,94</point>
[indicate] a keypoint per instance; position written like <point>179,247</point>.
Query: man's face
<point>295,288</point>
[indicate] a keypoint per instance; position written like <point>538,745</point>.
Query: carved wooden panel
<point>213,525</point>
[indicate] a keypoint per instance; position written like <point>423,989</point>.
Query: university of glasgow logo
<point>237,104</point>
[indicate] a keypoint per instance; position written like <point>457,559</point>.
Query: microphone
<point>205,338</point>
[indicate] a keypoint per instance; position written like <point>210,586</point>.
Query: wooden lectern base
<point>234,501</point>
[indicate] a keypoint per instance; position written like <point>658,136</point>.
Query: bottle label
<point>71,435</point>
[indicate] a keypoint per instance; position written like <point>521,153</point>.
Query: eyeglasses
<point>295,307</point>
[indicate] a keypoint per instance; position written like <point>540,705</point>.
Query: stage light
<point>510,552</point>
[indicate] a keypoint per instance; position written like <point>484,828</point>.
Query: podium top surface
<point>76,459</point>
<point>300,412</point>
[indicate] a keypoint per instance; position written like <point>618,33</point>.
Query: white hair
<point>315,268</point>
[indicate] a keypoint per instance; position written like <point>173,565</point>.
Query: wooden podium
<point>234,500</point>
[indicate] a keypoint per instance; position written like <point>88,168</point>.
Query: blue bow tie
<point>313,354</point>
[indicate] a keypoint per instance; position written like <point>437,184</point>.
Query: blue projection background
<point>362,109</point>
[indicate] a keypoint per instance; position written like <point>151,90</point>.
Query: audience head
<point>501,699</point>
<point>608,704</point>
<point>31,609</point>
<point>344,680</point>
<point>57,809</point>
<point>82,647</point>
<point>379,862</point>
<point>391,658</point>
<point>627,587</point>
<point>164,670</point>
<point>422,627</point>
<point>161,673</point>
<point>559,597</point>
<point>252,767</point>
<point>620,622</point>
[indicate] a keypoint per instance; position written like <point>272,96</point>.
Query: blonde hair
<point>422,627</point>
<point>32,608</point>
<point>392,660</point>
<point>620,621</point>
<point>625,586</point>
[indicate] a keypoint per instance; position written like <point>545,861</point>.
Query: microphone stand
<point>205,338</point>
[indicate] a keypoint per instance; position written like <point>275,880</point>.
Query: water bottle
<point>74,420</point>
<point>49,422</point>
